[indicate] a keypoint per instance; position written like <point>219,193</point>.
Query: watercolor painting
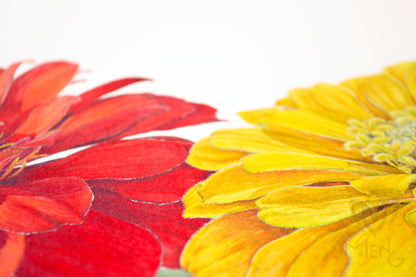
<point>230,138</point>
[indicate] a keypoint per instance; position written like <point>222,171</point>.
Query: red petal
<point>121,160</point>
<point>102,246</point>
<point>42,118</point>
<point>43,205</point>
<point>6,79</point>
<point>12,247</point>
<point>93,94</point>
<point>165,221</point>
<point>104,119</point>
<point>168,187</point>
<point>202,114</point>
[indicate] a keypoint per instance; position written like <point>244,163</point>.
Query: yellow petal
<point>195,207</point>
<point>276,258</point>
<point>385,93</point>
<point>327,257</point>
<point>248,140</point>
<point>330,100</point>
<point>313,143</point>
<point>300,120</point>
<point>225,246</point>
<point>313,206</point>
<point>275,161</point>
<point>205,156</point>
<point>393,185</point>
<point>411,80</point>
<point>234,184</point>
<point>287,101</point>
<point>386,248</point>
<point>400,71</point>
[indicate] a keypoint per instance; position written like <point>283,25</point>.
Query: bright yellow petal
<point>300,207</point>
<point>287,101</point>
<point>233,184</point>
<point>276,258</point>
<point>275,161</point>
<point>327,257</point>
<point>204,156</point>
<point>400,71</point>
<point>248,140</point>
<point>195,207</point>
<point>386,248</point>
<point>313,143</point>
<point>384,93</point>
<point>411,80</point>
<point>225,246</point>
<point>393,185</point>
<point>330,100</point>
<point>300,120</point>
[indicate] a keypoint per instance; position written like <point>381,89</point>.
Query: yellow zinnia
<point>322,186</point>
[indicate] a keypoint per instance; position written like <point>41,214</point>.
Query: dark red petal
<point>93,94</point>
<point>104,119</point>
<point>120,160</point>
<point>102,246</point>
<point>165,221</point>
<point>42,118</point>
<point>12,246</point>
<point>43,205</point>
<point>164,188</point>
<point>202,114</point>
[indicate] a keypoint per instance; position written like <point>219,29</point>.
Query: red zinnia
<point>107,210</point>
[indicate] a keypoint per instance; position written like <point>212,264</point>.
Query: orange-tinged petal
<point>384,93</point>
<point>42,118</point>
<point>313,206</point>
<point>327,257</point>
<point>276,258</point>
<point>204,156</point>
<point>330,100</point>
<point>234,184</point>
<point>386,248</point>
<point>300,120</point>
<point>248,140</point>
<point>11,252</point>
<point>274,161</point>
<point>393,185</point>
<point>195,207</point>
<point>225,246</point>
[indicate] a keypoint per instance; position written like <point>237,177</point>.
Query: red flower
<point>107,210</point>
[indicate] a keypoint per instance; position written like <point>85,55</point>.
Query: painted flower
<point>111,209</point>
<point>323,185</point>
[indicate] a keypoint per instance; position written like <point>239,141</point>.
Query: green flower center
<point>391,141</point>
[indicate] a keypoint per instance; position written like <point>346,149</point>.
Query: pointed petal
<point>313,206</point>
<point>399,71</point>
<point>204,156</point>
<point>120,160</point>
<point>104,119</point>
<point>44,205</point>
<point>167,187</point>
<point>195,207</point>
<point>233,183</point>
<point>393,185</point>
<point>93,94</point>
<point>12,246</point>
<point>6,80</point>
<point>219,250</point>
<point>102,246</point>
<point>165,221</point>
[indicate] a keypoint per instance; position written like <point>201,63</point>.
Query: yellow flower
<point>322,186</point>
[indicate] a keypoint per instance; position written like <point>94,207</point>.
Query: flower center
<point>391,141</point>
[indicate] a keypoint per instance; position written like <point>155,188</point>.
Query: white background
<point>234,55</point>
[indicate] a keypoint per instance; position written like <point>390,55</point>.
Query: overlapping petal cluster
<point>112,209</point>
<point>323,185</point>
